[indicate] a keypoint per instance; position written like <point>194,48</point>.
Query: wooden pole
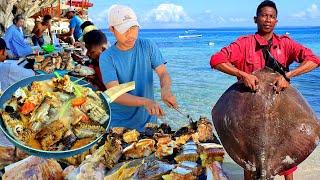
<point>82,4</point>
<point>59,10</point>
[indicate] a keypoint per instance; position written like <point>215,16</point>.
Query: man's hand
<point>280,83</point>
<point>153,108</point>
<point>168,98</point>
<point>251,81</point>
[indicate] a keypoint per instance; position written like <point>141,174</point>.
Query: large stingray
<point>265,132</point>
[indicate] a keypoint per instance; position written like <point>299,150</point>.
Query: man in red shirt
<point>248,53</point>
<point>245,55</point>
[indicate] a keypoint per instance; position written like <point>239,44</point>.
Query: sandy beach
<point>307,170</point>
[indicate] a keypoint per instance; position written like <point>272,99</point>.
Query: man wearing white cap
<point>133,59</point>
<point>74,25</point>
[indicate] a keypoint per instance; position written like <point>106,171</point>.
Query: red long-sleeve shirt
<point>246,52</point>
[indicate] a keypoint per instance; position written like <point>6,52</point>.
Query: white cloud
<point>237,20</point>
<point>100,19</point>
<point>311,12</point>
<point>301,14</point>
<point>167,13</point>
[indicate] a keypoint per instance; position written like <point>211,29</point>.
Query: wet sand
<point>307,170</point>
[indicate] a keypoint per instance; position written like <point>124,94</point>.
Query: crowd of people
<point>132,58</point>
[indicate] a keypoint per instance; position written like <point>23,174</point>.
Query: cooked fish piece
<point>86,171</point>
<point>142,148</point>
<point>113,152</point>
<point>180,173</point>
<point>51,134</point>
<point>83,130</point>
<point>34,168</point>
<point>117,131</point>
<point>95,110</point>
<point>39,58</point>
<point>189,155</point>
<point>84,70</point>
<point>181,140</point>
<point>131,136</point>
<point>13,123</point>
<point>210,152</point>
<point>193,166</point>
<point>39,116</point>
<point>63,84</point>
<point>165,147</point>
<point>205,130</point>
<point>125,170</point>
<point>154,169</point>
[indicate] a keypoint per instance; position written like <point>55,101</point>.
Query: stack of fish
<point>61,61</point>
<point>157,153</point>
<point>48,64</point>
<point>192,152</point>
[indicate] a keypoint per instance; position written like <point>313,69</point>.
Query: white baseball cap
<point>70,9</point>
<point>122,18</point>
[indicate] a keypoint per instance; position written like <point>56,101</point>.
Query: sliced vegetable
<point>27,108</point>
<point>78,101</point>
<point>85,119</point>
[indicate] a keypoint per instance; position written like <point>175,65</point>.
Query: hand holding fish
<point>251,81</point>
<point>280,83</point>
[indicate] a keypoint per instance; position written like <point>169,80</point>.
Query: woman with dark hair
<point>14,38</point>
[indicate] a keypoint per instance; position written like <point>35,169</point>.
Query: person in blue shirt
<point>133,59</point>
<point>10,72</point>
<point>74,26</point>
<point>14,38</point>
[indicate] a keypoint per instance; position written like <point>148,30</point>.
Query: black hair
<point>17,18</point>
<point>266,3</point>
<point>85,24</point>
<point>95,38</point>
<point>2,44</point>
<point>14,10</point>
<point>46,18</point>
<point>2,28</point>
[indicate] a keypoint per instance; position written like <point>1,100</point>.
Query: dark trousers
<point>37,41</point>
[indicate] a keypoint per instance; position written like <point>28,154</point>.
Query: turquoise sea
<point>198,87</point>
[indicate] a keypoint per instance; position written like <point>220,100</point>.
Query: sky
<point>158,14</point>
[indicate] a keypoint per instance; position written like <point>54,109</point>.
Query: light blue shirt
<point>16,43</point>
<point>136,64</point>
<point>11,73</point>
<point>75,23</point>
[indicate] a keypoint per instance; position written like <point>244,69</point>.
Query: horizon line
<point>247,27</point>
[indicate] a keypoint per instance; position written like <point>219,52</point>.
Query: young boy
<point>95,43</point>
